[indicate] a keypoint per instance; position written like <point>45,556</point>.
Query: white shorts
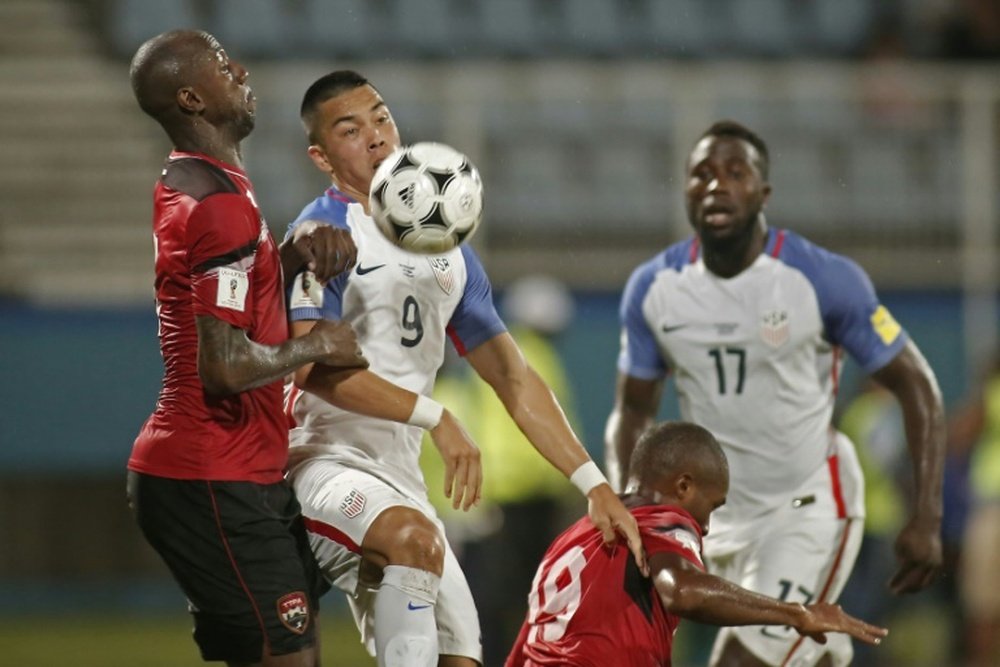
<point>802,552</point>
<point>339,505</point>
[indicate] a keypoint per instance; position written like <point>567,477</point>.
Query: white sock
<point>405,629</point>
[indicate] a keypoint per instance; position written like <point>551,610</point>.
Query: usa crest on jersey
<point>774,327</point>
<point>442,272</point>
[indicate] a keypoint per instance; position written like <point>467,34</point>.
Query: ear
<point>318,158</point>
<point>766,195</point>
<point>189,100</point>
<point>684,486</point>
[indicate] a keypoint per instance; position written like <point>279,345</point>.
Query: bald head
<point>671,448</point>
<point>165,64</point>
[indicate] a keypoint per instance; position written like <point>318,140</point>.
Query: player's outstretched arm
<point>369,394</point>
<point>536,411</point>
<point>918,547</point>
<point>322,248</point>
<point>229,362</point>
<point>690,593</point>
<point>636,404</point>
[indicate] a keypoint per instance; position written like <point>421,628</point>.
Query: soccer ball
<point>427,198</point>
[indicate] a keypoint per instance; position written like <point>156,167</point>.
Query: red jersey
<point>591,607</point>
<point>214,256</point>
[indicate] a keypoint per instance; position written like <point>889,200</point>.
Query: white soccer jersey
<point>756,358</point>
<point>401,305</point>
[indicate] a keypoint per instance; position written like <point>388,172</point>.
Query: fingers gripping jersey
<point>756,357</point>
<point>589,606</point>
<point>402,306</point>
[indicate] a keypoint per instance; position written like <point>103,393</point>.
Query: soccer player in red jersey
<point>206,471</point>
<point>590,607</point>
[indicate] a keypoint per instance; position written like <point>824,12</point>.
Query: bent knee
<point>405,536</point>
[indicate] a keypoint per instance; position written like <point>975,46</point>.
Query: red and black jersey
<point>214,256</point>
<point>591,607</point>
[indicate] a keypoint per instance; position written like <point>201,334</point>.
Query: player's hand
<point>339,343</point>
<point>325,250</point>
<point>822,617</point>
<point>612,518</point>
<point>918,550</point>
<point>463,475</point>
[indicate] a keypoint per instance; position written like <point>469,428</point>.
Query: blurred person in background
<point>591,607</point>
<point>970,29</point>
<point>206,474</point>
<point>975,432</point>
<point>873,421</point>
<point>752,322</point>
<point>356,446</point>
<point>525,502</point>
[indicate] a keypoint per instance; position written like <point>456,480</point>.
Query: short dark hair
<point>324,88</point>
<point>672,447</point>
<point>730,128</point>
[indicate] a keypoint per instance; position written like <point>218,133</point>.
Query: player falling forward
<point>355,450</point>
<point>752,322</point>
<point>590,607</point>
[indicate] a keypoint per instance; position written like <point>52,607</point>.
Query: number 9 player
<point>354,455</point>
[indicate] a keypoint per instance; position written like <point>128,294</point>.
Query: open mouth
<point>717,214</point>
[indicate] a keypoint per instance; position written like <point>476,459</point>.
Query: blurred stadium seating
<point>590,143</point>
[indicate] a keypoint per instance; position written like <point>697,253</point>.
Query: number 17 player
<point>752,322</point>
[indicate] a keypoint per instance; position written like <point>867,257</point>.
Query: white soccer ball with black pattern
<point>427,198</point>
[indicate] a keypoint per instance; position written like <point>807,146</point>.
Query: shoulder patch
<point>196,178</point>
<point>232,289</point>
<point>885,325</point>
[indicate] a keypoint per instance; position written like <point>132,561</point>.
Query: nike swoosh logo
<point>362,270</point>
<point>668,329</point>
<point>410,605</point>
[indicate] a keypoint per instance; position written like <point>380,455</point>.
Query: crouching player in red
<point>590,607</point>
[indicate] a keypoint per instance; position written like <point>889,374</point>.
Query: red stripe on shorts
<point>829,582</point>
<point>236,568</point>
<point>331,533</point>
<point>838,492</point>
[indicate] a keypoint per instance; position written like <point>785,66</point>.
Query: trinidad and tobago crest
<point>293,610</point>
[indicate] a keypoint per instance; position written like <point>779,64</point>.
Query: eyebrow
<point>350,117</point>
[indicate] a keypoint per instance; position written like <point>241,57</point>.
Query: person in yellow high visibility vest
<point>977,425</point>
<point>874,423</point>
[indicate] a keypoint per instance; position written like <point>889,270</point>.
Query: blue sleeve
<point>640,355</point>
<point>334,213</point>
<point>852,316</point>
<point>475,319</point>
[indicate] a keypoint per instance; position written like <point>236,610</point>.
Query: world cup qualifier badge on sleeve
<point>232,291</point>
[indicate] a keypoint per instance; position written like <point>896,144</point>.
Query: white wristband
<point>587,476</point>
<point>426,413</point>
